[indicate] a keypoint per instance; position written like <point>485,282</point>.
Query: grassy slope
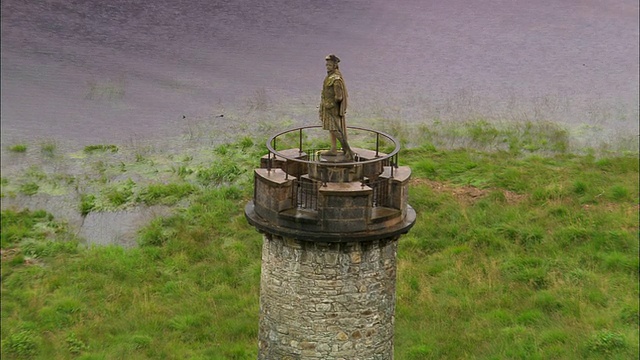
<point>541,264</point>
<point>511,257</point>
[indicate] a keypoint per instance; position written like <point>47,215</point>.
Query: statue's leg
<point>334,147</point>
<point>343,141</point>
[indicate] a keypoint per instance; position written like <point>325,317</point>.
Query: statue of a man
<point>333,106</point>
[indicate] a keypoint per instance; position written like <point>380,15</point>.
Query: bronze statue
<point>333,106</point>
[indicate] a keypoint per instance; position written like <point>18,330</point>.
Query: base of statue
<point>334,157</point>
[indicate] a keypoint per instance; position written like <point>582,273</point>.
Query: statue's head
<point>332,62</point>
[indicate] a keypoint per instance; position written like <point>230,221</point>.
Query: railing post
<point>300,143</point>
<point>294,200</point>
<point>393,165</point>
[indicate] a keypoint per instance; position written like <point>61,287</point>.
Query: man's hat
<point>332,58</point>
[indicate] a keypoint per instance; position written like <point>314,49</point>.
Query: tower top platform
<point>304,193</point>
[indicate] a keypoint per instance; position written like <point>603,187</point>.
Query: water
<point>93,71</point>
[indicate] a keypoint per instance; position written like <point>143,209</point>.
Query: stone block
<point>343,226</point>
<point>342,336</point>
<point>344,213</point>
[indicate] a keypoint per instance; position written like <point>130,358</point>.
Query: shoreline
<point>57,177</point>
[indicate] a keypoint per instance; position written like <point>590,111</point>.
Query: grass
<point>100,148</point>
<point>48,148</point>
<point>523,278</point>
<point>165,194</point>
<point>18,148</point>
<point>515,254</point>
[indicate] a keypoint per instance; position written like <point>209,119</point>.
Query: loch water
<point>95,71</point>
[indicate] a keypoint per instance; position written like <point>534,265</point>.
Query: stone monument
<point>330,233</point>
<point>333,107</point>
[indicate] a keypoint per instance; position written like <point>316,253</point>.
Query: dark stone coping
<point>345,189</point>
<point>324,236</point>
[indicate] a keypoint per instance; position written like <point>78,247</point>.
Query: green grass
<point>528,254</point>
<point>18,148</point>
<point>87,204</point>
<point>100,148</point>
<point>48,148</point>
<point>165,194</point>
<point>29,188</point>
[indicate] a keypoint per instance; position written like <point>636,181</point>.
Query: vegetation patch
<point>18,148</point>
<point>100,148</point>
<point>516,253</point>
<point>48,148</point>
<point>165,194</point>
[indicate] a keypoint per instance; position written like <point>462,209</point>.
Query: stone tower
<point>331,231</point>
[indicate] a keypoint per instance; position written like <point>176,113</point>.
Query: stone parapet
<point>336,212</point>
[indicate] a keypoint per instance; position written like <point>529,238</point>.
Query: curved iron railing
<point>392,157</point>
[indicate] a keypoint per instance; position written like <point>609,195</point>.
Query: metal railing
<point>304,194</point>
<point>305,190</point>
<point>312,160</point>
<point>381,196</point>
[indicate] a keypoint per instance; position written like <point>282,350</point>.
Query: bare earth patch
<point>467,194</point>
<point>8,254</point>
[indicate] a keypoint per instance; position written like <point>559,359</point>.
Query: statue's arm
<point>338,89</point>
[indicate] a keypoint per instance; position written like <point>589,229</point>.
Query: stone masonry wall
<point>327,300</point>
